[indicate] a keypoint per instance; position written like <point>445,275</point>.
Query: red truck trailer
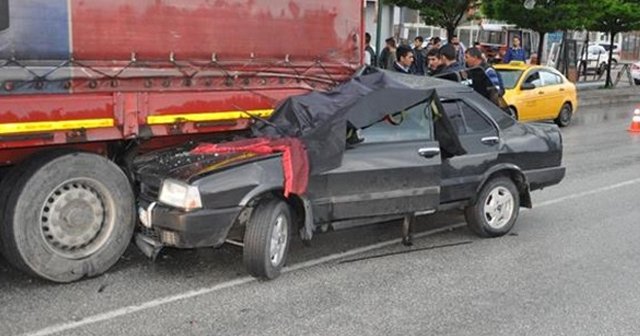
<point>87,85</point>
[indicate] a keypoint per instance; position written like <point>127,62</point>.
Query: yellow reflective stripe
<point>44,126</point>
<point>206,116</point>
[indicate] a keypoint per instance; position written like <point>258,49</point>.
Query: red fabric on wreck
<point>295,164</point>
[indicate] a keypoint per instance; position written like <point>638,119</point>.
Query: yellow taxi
<point>536,92</point>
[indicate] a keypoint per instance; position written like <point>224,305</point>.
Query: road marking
<point>587,193</point>
<point>304,265</point>
<point>233,283</point>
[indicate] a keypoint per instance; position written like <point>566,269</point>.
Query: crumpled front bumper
<point>166,226</point>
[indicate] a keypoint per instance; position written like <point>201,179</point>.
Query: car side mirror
<point>527,86</point>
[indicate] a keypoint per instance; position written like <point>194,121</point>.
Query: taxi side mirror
<point>527,86</point>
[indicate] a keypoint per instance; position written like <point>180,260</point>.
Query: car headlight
<point>180,195</point>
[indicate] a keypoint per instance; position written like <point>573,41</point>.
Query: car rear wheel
<point>496,209</point>
<point>513,112</point>
<point>267,239</point>
<point>67,215</point>
<point>565,115</point>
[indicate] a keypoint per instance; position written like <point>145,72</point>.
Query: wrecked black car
<point>381,146</point>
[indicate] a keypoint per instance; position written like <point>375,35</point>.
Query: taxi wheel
<point>267,239</point>
<point>564,117</point>
<point>513,112</point>
<point>495,211</point>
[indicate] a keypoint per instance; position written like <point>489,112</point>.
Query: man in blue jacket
<point>515,53</point>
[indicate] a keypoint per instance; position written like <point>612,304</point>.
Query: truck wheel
<point>564,116</point>
<point>267,239</point>
<point>66,216</point>
<point>496,209</point>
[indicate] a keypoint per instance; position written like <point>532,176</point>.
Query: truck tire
<point>267,238</point>
<point>496,209</point>
<point>67,215</point>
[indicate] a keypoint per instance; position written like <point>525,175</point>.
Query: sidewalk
<point>591,94</point>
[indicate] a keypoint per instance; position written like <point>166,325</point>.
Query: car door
<point>394,168</point>
<point>461,175</point>
<point>529,107</point>
<point>554,93</point>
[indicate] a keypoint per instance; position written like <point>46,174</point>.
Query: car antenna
<point>265,121</point>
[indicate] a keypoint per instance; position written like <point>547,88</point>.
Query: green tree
<point>614,17</point>
<point>546,15</point>
<point>447,14</point>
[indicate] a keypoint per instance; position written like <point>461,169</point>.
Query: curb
<point>608,96</point>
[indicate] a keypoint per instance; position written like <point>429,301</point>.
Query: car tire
<point>564,116</point>
<point>637,81</point>
<point>68,215</point>
<point>601,69</point>
<point>496,210</point>
<point>269,224</point>
<point>513,112</point>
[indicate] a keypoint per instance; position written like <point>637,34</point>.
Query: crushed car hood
<point>180,164</point>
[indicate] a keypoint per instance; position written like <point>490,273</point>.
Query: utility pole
<point>378,28</point>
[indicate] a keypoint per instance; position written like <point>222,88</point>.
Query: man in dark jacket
<point>404,60</point>
<point>473,57</point>
<point>388,54</point>
<point>370,55</point>
<point>448,56</point>
<point>420,57</point>
<point>435,64</point>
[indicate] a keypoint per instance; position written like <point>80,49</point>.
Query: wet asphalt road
<point>570,267</point>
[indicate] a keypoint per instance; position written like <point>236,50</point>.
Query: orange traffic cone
<point>635,121</point>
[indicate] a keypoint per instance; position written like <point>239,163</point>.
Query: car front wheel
<point>267,238</point>
<point>496,209</point>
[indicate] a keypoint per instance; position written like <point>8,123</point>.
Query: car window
<point>499,116</point>
<point>534,78</point>
<point>411,124</point>
<point>510,77</point>
<point>596,50</point>
<point>549,78</point>
<point>491,36</point>
<point>526,41</point>
<point>464,118</point>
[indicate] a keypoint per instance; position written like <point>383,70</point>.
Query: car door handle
<point>540,92</point>
<point>561,89</point>
<point>429,152</point>
<point>490,140</point>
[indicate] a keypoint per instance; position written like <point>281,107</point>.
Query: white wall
<point>370,24</point>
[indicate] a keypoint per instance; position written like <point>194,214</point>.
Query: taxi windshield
<point>510,77</point>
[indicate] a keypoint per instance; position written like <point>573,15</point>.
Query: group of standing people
<point>434,60</point>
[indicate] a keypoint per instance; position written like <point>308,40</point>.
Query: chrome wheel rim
<point>76,219</point>
<point>279,239</point>
<point>498,207</point>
